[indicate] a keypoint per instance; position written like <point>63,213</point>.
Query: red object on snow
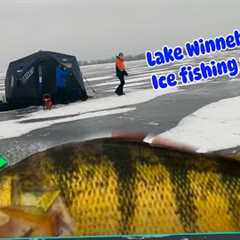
<point>47,102</point>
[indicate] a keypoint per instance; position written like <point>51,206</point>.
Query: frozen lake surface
<point>25,131</point>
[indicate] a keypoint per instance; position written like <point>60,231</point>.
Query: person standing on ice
<point>62,75</point>
<point>120,73</point>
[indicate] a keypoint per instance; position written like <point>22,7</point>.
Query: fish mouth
<point>120,186</point>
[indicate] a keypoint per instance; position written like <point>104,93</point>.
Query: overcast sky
<point>97,29</point>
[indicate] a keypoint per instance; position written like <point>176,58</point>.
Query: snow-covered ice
<point>16,128</point>
<point>2,87</point>
<point>211,128</point>
<point>76,111</point>
<point>100,78</point>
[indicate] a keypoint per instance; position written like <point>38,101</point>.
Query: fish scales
<point>117,187</point>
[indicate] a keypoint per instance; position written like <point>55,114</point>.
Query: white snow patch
<point>153,123</point>
<point>14,128</point>
<point>211,128</point>
<point>234,80</point>
<point>137,84</point>
<point>111,102</point>
<point>116,82</point>
<point>100,78</point>
<point>76,111</point>
<point>142,77</point>
<point>149,138</point>
<point>2,75</point>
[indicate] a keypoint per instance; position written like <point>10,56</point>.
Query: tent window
<point>67,65</point>
<point>20,69</point>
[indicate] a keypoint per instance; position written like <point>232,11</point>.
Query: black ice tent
<point>25,76</point>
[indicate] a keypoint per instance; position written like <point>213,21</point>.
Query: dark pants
<point>119,89</point>
<point>61,95</point>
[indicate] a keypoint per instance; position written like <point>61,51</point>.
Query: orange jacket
<point>120,64</point>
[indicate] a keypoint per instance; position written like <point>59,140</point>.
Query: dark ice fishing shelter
<point>29,78</point>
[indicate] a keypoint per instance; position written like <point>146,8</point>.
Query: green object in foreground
<point>3,162</point>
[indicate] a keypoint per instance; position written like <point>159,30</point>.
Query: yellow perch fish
<point>111,186</point>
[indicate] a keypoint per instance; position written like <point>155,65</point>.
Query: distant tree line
<point>111,60</point>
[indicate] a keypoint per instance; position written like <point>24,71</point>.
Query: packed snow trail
<point>76,111</point>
